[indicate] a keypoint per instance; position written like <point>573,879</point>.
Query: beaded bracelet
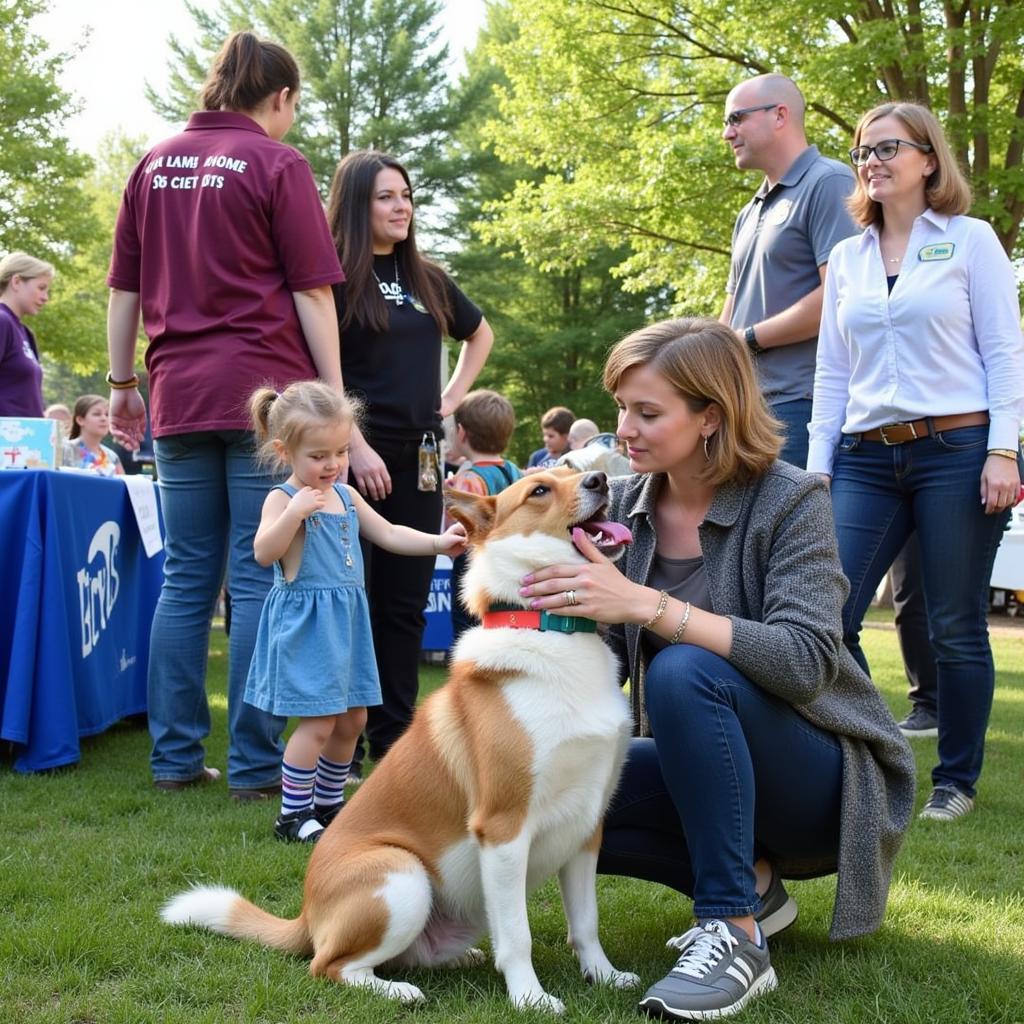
<point>677,636</point>
<point>662,602</point>
<point>123,385</point>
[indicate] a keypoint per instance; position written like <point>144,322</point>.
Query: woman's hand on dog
<point>602,592</point>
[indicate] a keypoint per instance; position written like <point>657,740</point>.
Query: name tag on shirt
<point>939,251</point>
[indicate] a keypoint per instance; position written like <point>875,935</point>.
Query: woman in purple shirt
<point>24,290</point>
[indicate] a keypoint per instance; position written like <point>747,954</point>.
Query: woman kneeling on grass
<point>765,751</point>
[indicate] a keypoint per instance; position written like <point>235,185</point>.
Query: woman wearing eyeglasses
<point>917,405</point>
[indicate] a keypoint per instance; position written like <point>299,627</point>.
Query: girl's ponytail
<point>260,403</point>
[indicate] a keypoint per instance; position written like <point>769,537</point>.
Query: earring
<point>707,454</point>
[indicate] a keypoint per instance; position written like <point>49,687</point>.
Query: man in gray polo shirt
<point>780,247</point>
<point>781,244</point>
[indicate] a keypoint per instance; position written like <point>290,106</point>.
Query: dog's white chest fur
<point>564,695</point>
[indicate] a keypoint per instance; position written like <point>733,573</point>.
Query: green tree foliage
<point>76,319</point>
<point>554,325</point>
<point>625,97</point>
<point>373,75</point>
<point>41,207</point>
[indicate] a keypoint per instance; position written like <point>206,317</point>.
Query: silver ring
<point>570,598</point>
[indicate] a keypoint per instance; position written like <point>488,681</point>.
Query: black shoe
<point>919,724</point>
<point>325,815</point>
<point>174,785</point>
<point>255,793</point>
<point>778,909</point>
<point>299,827</point>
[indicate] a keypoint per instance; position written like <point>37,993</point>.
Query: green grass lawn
<point>88,855</point>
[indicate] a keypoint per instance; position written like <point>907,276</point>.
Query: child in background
<point>90,423</point>
<point>314,649</point>
<point>484,421</point>
<point>555,425</point>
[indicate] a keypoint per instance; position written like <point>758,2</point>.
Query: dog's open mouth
<point>610,538</point>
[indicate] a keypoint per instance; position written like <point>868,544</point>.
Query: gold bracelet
<point>1005,453</point>
<point>677,636</point>
<point>123,385</point>
<point>662,602</point>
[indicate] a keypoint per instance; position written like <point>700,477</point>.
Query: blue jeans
<point>732,774</point>
<point>795,416</point>
<point>880,495</point>
<point>211,494</point>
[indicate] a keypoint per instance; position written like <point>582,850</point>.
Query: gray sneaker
<point>946,804</point>
<point>778,909</point>
<point>719,972</point>
<point>919,724</point>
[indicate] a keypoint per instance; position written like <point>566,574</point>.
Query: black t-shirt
<point>397,373</point>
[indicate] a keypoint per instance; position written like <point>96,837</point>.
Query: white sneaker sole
<point>779,920</point>
<point>767,982</point>
<point>920,734</point>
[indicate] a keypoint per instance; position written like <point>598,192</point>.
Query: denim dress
<point>314,649</point>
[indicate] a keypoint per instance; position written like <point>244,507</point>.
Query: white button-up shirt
<point>947,339</point>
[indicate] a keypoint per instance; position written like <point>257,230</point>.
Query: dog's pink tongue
<point>609,534</point>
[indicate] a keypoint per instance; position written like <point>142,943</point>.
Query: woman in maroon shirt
<point>222,244</point>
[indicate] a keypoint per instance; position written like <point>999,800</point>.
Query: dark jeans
<point>880,495</point>
<point>211,493</point>
<point>732,774</point>
<point>911,619</point>
<point>397,587</point>
<point>795,415</point>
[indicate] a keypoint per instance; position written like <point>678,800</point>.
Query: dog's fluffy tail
<point>226,911</point>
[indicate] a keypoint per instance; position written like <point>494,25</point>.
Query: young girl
<point>314,650</point>
<point>90,423</point>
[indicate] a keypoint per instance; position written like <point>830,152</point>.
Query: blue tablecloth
<point>77,594</point>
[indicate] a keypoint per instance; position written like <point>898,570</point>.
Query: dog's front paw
<point>622,979</point>
<point>539,1001</point>
<point>402,991</point>
<point>608,975</point>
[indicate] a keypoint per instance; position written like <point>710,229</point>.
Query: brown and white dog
<point>501,780</point>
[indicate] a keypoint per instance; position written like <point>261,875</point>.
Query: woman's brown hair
<point>705,362</point>
<point>348,214</point>
<point>946,189</point>
<point>82,406</point>
<point>246,71</point>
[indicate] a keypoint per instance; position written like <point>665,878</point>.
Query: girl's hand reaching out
<point>452,542</point>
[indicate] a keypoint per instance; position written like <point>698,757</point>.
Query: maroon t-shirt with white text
<point>218,226</point>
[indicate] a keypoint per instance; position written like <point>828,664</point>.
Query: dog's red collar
<point>503,616</point>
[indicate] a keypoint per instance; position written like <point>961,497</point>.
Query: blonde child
<point>314,651</point>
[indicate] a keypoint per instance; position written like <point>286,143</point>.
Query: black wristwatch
<point>751,339</point>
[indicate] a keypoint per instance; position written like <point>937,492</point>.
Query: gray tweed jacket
<point>770,555</point>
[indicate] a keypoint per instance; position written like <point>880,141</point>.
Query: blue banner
<point>76,605</point>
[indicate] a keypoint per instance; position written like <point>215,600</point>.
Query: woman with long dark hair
<point>394,310</point>
<point>221,242</point>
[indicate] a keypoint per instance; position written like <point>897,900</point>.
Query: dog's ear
<point>475,512</point>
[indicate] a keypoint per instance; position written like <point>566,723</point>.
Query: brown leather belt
<point>913,430</point>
